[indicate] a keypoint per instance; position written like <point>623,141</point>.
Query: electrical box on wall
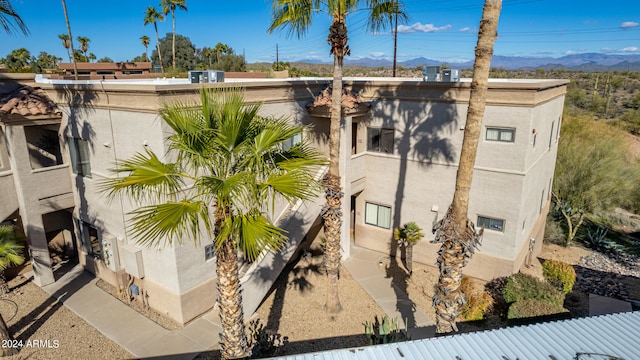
<point>110,254</point>
<point>132,260</point>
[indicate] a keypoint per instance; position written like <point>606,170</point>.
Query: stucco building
<point>399,154</point>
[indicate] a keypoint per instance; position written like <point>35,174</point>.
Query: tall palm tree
<point>66,44</point>
<point>219,49</point>
<point>455,231</point>
<point>296,17</point>
<point>237,162</point>
<point>170,6</point>
<point>7,15</point>
<point>84,44</point>
<point>10,254</point>
<point>70,39</point>
<point>152,16</point>
<point>145,42</point>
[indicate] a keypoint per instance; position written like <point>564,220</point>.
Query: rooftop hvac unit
<point>206,76</point>
<point>451,75</point>
<point>431,73</point>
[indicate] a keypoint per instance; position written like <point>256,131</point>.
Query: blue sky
<point>443,30</point>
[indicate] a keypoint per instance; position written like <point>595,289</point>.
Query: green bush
<point>532,308</point>
<point>521,287</point>
<point>478,302</point>
<point>553,232</point>
<point>559,274</point>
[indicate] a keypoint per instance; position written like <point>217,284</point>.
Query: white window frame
<point>373,217</point>
<point>490,221</point>
<point>91,247</point>
<point>500,137</point>
<point>80,159</point>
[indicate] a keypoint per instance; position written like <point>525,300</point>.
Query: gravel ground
<point>48,330</point>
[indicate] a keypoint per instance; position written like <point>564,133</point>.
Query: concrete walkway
<point>140,336</point>
<point>144,338</point>
<point>364,266</point>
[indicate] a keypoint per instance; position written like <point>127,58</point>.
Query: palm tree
<point>66,44</point>
<point>70,39</point>
<point>7,14</point>
<point>152,16</point>
<point>145,42</point>
<point>170,6</point>
<point>9,255</point>
<point>408,235</point>
<point>84,43</point>
<point>220,48</point>
<point>455,232</point>
<point>237,163</point>
<point>296,17</point>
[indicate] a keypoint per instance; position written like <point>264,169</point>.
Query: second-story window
<point>501,134</point>
<point>79,151</point>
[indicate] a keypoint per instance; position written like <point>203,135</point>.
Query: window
<point>90,240</point>
<point>491,223</point>
<point>378,215</point>
<point>498,134</point>
<point>380,140</point>
<point>209,252</point>
<point>295,139</point>
<point>79,150</point>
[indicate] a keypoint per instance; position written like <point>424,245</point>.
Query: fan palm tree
<point>10,254</point>
<point>84,44</point>
<point>455,232</point>
<point>145,42</point>
<point>152,16</point>
<point>170,6</point>
<point>7,15</point>
<point>66,44</point>
<point>408,235</point>
<point>237,163</point>
<point>296,17</point>
<point>219,49</point>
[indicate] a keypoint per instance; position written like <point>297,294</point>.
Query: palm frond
<point>252,233</point>
<point>293,15</point>
<point>155,225</point>
<point>145,177</point>
<point>10,248</point>
<point>382,13</point>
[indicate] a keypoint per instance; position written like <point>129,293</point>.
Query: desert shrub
<point>532,308</point>
<point>478,302</point>
<point>553,232</point>
<point>384,332</point>
<point>559,274</point>
<point>521,287</point>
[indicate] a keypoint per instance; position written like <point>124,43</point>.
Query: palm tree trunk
<point>456,233</point>
<point>173,43</point>
<point>332,213</point>
<point>5,338</point>
<point>233,340</point>
<point>4,287</point>
<point>158,48</point>
<point>73,58</point>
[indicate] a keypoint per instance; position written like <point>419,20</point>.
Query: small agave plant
<point>408,235</point>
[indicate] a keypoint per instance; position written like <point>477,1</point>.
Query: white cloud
<point>376,54</point>
<point>630,49</point>
<point>629,24</point>
<point>418,27</point>
<point>467,29</point>
<point>571,52</point>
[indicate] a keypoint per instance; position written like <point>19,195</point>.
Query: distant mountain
<point>584,62</point>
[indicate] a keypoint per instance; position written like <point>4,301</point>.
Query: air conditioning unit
<point>206,76</point>
<point>431,73</point>
<point>451,75</point>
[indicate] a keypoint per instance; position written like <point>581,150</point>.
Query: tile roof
<point>28,101</point>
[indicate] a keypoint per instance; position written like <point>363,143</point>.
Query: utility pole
<point>395,41</point>
<point>73,53</point>
<point>277,61</point>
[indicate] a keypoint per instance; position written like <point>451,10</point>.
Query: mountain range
<point>582,62</point>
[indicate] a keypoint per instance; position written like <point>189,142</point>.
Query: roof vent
<point>206,76</point>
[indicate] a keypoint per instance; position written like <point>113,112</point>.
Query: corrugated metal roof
<point>613,337</point>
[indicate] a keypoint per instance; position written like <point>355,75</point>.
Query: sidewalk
<point>362,264</point>
<point>140,336</point>
<point>144,338</point>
